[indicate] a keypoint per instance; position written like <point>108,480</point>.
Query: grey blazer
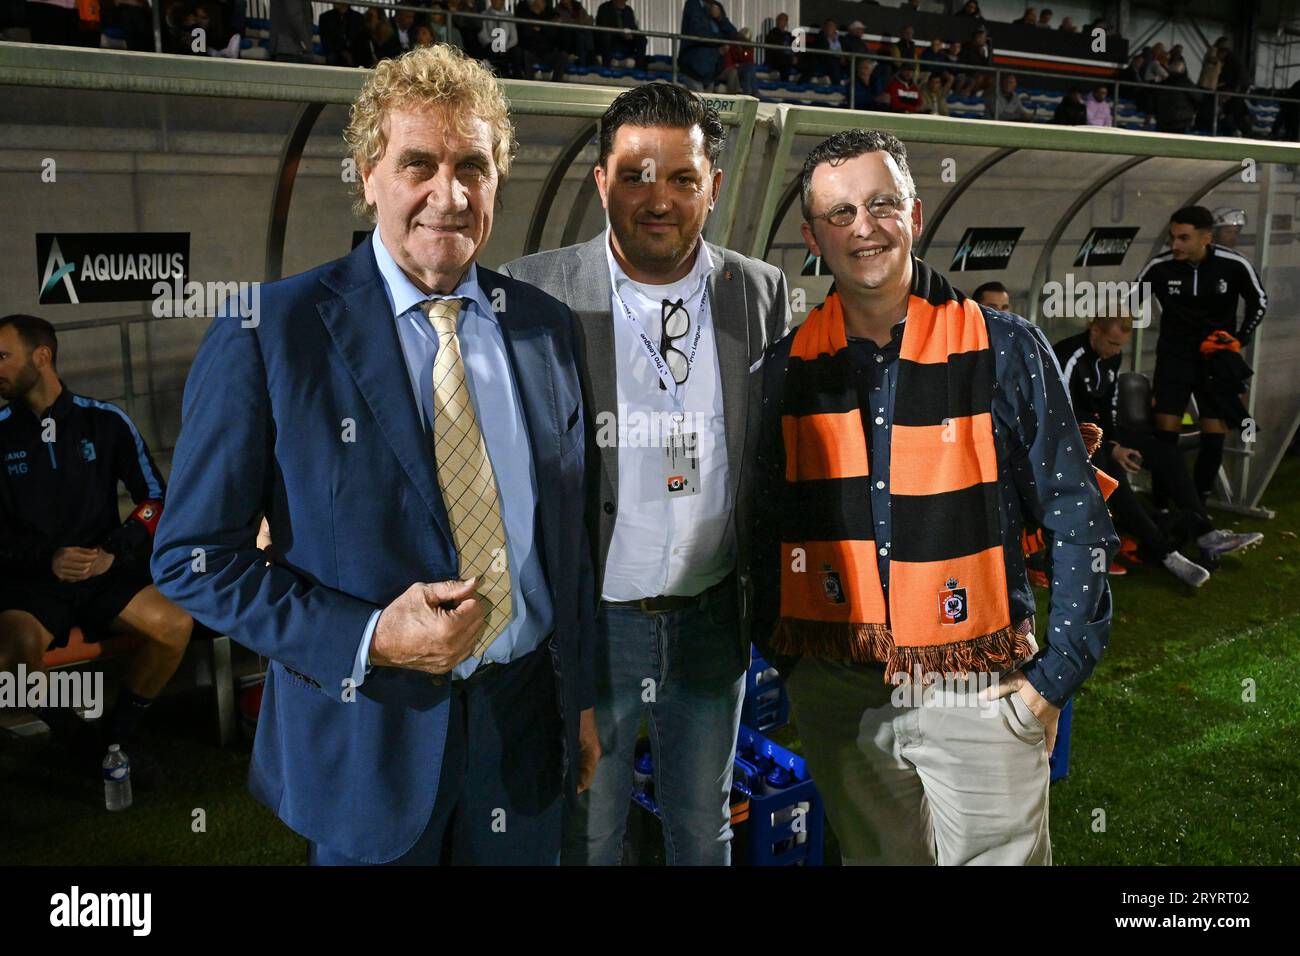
<point>750,309</point>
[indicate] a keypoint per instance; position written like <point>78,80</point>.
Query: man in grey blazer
<point>672,332</point>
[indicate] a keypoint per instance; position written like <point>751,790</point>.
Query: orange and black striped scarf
<point>948,609</point>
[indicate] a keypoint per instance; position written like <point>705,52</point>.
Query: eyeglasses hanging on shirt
<point>675,322</point>
<point>671,364</point>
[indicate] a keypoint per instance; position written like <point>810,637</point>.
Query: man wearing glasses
<point>672,330</point>
<point>908,433</point>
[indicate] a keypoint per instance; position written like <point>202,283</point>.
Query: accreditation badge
<point>681,464</point>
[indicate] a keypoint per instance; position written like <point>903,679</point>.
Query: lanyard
<point>652,352</point>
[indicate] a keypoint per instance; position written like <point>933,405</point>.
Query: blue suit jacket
<point>354,523</point>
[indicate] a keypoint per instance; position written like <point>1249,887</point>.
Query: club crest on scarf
<point>952,603</point>
<point>832,585</point>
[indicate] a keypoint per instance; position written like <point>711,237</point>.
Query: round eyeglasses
<point>880,207</point>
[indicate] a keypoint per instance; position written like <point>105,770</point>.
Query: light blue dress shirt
<point>500,414</point>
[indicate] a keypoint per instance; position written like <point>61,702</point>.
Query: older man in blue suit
<point>410,424</point>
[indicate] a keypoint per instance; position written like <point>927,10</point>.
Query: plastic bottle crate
<point>1060,759</point>
<point>769,836</point>
<point>767,705</point>
<point>763,824</point>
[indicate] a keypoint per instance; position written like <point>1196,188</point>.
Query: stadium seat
<point>213,666</point>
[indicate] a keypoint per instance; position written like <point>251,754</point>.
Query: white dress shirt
<point>661,545</point>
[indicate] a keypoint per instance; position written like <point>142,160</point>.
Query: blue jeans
<point>683,671</point>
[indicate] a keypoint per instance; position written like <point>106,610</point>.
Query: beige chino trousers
<point>922,779</point>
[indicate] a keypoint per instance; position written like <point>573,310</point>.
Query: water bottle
<point>117,779</point>
<point>642,770</point>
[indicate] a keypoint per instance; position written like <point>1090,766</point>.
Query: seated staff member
<point>994,295</point>
<point>908,435</point>
<point>1090,363</point>
<point>66,556</point>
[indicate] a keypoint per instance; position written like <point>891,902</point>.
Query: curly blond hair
<point>438,75</point>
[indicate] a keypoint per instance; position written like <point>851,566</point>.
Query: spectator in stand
<point>499,40</point>
<point>1071,111</point>
<point>342,31</point>
<point>977,53</point>
<point>443,31</point>
<point>468,26</point>
<point>1030,18</point>
<point>172,27</point>
<point>1067,26</point>
<point>53,21</point>
<point>380,41</point>
<point>541,42</point>
<point>1100,112</point>
<point>617,15</point>
<point>971,9</point>
<point>1234,118</point>
<point>580,44</point>
<point>1230,71</point>
<point>933,60</point>
<point>855,39</point>
<point>1287,125</point>
<point>904,94</point>
<point>1132,74</point>
<point>135,19</point>
<point>89,21</point>
<point>1157,67</point>
<point>1176,104</point>
<point>291,37</point>
<point>782,61</point>
<point>208,17</point>
<point>952,56</point>
<point>738,66</point>
<point>1009,104</point>
<point>700,63</point>
<point>1045,19</point>
<point>904,50</point>
<point>423,35</point>
<point>1211,68</point>
<point>869,91</point>
<point>829,63</point>
<point>934,95</point>
<point>404,24</point>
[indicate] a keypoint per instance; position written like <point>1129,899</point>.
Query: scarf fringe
<point>998,651</point>
<point>860,643</point>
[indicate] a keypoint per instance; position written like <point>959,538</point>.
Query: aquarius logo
<point>56,270</point>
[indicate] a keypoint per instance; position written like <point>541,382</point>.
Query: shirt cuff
<point>361,667</point>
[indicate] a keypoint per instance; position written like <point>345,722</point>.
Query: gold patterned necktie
<point>465,476</point>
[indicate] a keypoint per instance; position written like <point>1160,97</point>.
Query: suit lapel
<point>360,322</point>
<point>590,294</point>
<point>730,314</point>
